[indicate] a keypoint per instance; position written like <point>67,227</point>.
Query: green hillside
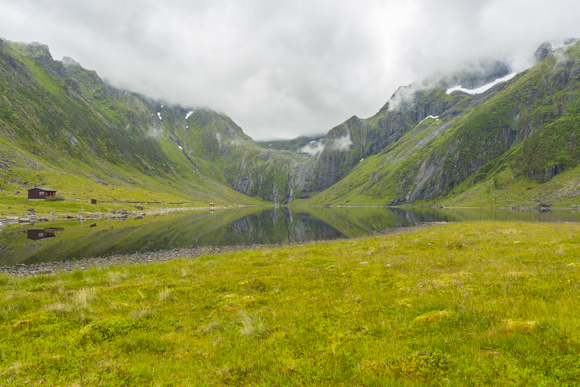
<point>515,145</point>
<point>62,127</point>
<point>228,155</point>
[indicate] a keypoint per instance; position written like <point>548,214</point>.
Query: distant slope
<point>225,153</point>
<point>502,147</point>
<point>294,145</point>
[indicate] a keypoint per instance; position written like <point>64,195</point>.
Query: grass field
<point>78,193</point>
<point>468,304</point>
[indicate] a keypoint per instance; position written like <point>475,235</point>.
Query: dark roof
<point>43,189</point>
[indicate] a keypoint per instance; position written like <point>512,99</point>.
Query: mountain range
<point>482,136</point>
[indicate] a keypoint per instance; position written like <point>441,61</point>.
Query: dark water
<point>71,240</point>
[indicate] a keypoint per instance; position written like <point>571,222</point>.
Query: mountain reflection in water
<point>233,227</point>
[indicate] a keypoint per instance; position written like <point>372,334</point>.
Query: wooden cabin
<point>41,194</point>
<point>37,234</point>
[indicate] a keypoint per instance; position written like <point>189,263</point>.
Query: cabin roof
<point>43,189</point>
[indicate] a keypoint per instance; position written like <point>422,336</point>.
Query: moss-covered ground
<point>474,304</point>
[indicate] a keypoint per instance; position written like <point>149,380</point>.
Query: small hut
<point>37,234</point>
<point>41,194</point>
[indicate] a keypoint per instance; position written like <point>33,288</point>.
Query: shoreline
<point>139,258</point>
<point>111,214</point>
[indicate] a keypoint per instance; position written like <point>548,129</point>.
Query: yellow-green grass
<point>473,304</point>
<point>506,189</point>
<point>17,205</point>
<point>78,192</point>
<point>112,185</point>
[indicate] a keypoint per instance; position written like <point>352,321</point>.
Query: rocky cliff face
<point>508,116</point>
<point>346,145</point>
<point>522,127</point>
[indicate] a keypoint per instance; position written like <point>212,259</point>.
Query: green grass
<point>474,304</point>
<point>95,144</point>
<point>488,155</point>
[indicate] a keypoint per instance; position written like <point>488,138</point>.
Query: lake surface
<point>72,240</point>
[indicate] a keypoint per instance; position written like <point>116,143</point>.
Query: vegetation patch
<point>418,313</point>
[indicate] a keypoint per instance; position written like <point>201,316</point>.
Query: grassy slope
<point>359,188</point>
<point>474,304</point>
<point>227,154</point>
<point>515,177</point>
<point>110,148</point>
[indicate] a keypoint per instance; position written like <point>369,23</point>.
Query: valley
<point>497,141</point>
<point>293,193</point>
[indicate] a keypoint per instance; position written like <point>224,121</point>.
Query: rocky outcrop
<point>348,144</point>
<point>524,126</point>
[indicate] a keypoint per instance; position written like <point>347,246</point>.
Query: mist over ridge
<point>286,69</point>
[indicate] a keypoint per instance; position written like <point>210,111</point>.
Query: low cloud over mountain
<point>283,69</point>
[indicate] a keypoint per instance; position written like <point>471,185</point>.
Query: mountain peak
<point>39,52</point>
<point>68,62</point>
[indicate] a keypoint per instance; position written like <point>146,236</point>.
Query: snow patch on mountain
<point>483,88</point>
<point>436,118</point>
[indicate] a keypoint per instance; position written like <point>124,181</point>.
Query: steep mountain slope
<point>224,152</point>
<point>58,119</point>
<point>510,144</point>
<point>515,136</point>
<point>283,176</point>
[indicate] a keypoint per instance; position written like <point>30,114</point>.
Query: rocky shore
<point>30,216</point>
<point>43,268</point>
<point>21,270</point>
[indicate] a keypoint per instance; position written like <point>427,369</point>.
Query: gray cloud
<point>283,69</point>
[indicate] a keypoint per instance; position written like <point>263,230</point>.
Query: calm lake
<point>71,240</point>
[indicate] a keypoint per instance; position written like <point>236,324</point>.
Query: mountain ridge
<point>498,122</point>
<point>426,144</point>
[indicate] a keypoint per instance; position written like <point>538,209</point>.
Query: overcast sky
<point>282,69</point>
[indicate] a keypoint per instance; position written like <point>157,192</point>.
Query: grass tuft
<point>252,324</point>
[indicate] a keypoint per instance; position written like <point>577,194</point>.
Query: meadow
<point>461,304</point>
